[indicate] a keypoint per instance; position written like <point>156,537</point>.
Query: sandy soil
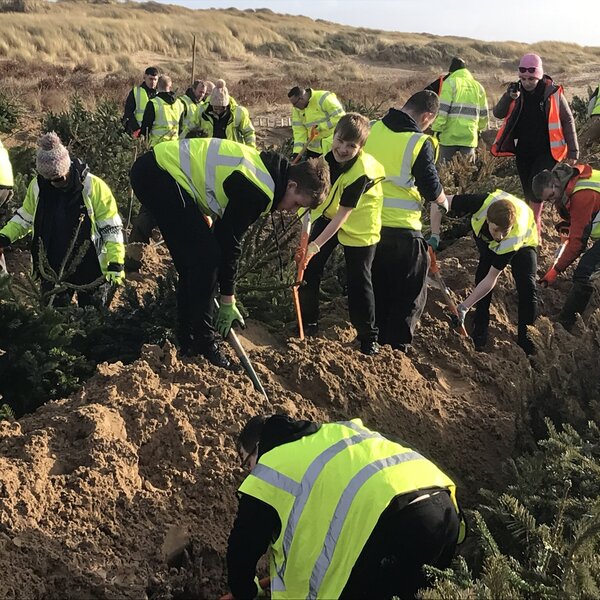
<point>127,488</point>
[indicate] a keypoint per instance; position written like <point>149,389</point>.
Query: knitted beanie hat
<point>531,61</point>
<point>53,160</point>
<point>220,95</point>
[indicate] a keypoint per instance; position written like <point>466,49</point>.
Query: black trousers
<point>400,284</point>
<point>524,267</point>
<point>361,301</point>
<point>528,167</point>
<point>192,245</point>
<point>402,542</point>
<point>588,264</point>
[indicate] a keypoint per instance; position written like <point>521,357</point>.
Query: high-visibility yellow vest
<point>592,183</point>
<point>329,490</point>
<point>140,96</point>
<point>595,103</point>
<point>101,206</point>
<point>239,127</point>
<point>522,234</point>
<point>189,114</point>
<point>397,152</point>
<point>363,226</point>
<point>166,121</point>
<point>463,110</point>
<point>6,172</point>
<point>324,110</point>
<point>201,166</point>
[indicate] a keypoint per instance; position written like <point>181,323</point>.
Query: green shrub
<point>97,138</point>
<point>541,538</point>
<point>11,113</point>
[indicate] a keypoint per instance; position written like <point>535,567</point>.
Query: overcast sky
<point>520,20</point>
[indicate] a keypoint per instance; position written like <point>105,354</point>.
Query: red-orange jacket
<point>581,208</point>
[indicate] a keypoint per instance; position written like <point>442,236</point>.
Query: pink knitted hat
<point>531,61</point>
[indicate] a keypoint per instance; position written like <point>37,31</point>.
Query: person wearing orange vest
<point>575,195</point>
<point>538,128</point>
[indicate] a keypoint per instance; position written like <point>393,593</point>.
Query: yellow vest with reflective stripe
<point>329,490</point>
<point>190,110</point>
<point>239,127</point>
<point>363,226</point>
<point>592,183</point>
<point>397,152</point>
<point>166,121</point>
<point>522,234</point>
<point>6,173</point>
<point>596,106</point>
<point>201,166</point>
<point>323,110</point>
<point>140,95</point>
<point>101,206</point>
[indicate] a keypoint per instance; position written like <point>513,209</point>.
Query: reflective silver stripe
<point>21,217</point>
<point>309,479</point>
<point>297,123</point>
<point>237,118</point>
<point>323,98</point>
<point>87,193</point>
<point>444,107</point>
<point>341,513</point>
<point>483,112</point>
<point>111,229</point>
<point>554,126</point>
<point>214,160</point>
<point>558,143</point>
<point>403,204</point>
<point>210,173</point>
<point>583,184</point>
<point>276,479</point>
<point>298,146</point>
<point>596,219</point>
<point>185,164</point>
<point>405,179</point>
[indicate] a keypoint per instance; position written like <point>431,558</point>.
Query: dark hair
<point>198,82</point>
<point>540,182</point>
<point>313,179</point>
<point>250,434</point>
<point>456,64</point>
<point>295,91</point>
<point>422,102</point>
<point>353,127</point>
<point>502,213</point>
<point>151,71</point>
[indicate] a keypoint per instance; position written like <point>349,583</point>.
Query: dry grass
<point>100,49</point>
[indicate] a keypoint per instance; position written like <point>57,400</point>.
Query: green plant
<point>579,107</point>
<point>541,538</point>
<point>11,113</point>
<point>97,138</point>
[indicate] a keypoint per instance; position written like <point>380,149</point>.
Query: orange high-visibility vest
<point>558,144</point>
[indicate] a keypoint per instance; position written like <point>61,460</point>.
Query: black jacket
<point>129,121</point>
<point>56,220</point>
<point>257,523</point>
<point>246,203</point>
<point>424,171</point>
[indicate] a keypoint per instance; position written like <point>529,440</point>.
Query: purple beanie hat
<point>532,61</point>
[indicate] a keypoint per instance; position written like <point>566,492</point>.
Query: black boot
<point>576,302</point>
<point>213,354</point>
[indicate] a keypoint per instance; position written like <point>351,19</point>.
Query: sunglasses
<point>527,69</point>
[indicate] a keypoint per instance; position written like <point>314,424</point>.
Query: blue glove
<point>434,241</point>
<point>227,315</point>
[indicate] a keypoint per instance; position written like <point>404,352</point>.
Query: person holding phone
<point>538,128</point>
